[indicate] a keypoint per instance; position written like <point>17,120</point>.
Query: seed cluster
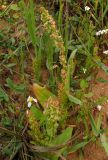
<point>34,131</point>
<point>53,115</point>
<point>50,26</point>
<point>54,106</point>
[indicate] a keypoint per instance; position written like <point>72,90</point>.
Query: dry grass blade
<point>4,130</point>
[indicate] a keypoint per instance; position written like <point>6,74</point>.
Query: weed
<point>71,47</point>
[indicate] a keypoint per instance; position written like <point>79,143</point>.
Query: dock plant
<point>52,55</point>
<point>52,108</point>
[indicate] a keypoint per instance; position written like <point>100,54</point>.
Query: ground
<point>92,151</point>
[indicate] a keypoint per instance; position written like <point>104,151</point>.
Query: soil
<point>101,90</point>
<point>94,152</point>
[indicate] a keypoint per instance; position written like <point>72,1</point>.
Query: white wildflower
<point>101,32</point>
<point>84,70</point>
<point>105,52</point>
<point>35,100</point>
<point>30,100</point>
<point>29,104</point>
<point>87,8</point>
<point>99,107</point>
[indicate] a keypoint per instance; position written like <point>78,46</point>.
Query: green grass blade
<point>99,121</point>
<point>93,124</point>
<point>77,147</point>
<point>104,142</point>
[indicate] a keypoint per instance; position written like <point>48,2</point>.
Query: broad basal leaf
<point>61,139</point>
<point>42,94</point>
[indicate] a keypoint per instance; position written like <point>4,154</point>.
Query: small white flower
<point>101,32</point>
<point>98,33</point>
<point>105,52</point>
<point>84,70</point>
<point>99,107</point>
<point>29,104</point>
<point>30,100</point>
<point>87,8</point>
<point>35,100</point>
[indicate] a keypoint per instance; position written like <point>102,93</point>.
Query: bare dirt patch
<point>94,151</point>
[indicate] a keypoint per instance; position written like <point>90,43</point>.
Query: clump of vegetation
<point>64,44</point>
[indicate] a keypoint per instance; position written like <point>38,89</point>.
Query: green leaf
<point>93,124</point>
<point>3,95</point>
<point>37,113</point>
<point>42,94</point>
<point>70,70</point>
<point>72,56</point>
<point>74,99</point>
<point>99,121</point>
<point>10,108</point>
<point>83,84</point>
<point>6,121</point>
<point>105,11</point>
<point>102,80</point>
<point>14,7</point>
<point>88,95</point>
<point>77,146</point>
<point>29,16</point>
<point>61,139</point>
<point>103,66</point>
<point>104,141</point>
<point>16,88</point>
<point>11,65</point>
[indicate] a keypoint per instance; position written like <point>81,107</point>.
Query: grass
<point>58,39</point>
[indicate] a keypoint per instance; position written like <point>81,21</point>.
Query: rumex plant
<point>44,129</point>
<point>68,51</point>
<point>54,111</point>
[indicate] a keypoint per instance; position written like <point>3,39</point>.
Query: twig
<point>25,128</point>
